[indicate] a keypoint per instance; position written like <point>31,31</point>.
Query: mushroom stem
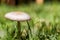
<point>18,26</point>
<point>19,30</point>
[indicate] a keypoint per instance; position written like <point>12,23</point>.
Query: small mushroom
<point>18,16</point>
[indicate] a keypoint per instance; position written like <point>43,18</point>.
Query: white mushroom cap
<point>17,16</point>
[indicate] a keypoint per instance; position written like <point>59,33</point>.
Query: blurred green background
<point>45,23</point>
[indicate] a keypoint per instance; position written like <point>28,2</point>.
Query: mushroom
<point>18,16</point>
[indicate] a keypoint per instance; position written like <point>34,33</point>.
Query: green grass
<point>49,12</point>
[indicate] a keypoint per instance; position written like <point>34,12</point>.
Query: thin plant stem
<point>29,28</point>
